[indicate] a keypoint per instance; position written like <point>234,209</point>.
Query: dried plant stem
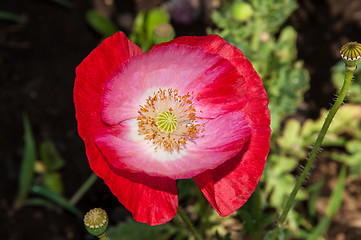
<point>316,148</point>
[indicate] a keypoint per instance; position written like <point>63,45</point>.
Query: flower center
<point>167,120</point>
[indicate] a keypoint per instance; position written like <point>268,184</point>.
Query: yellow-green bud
<point>351,54</point>
<point>163,32</point>
<point>242,11</point>
<point>96,221</point>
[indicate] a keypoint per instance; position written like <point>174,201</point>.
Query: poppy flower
<point>193,107</point>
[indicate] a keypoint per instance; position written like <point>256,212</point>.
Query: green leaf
<point>50,156</point>
<point>334,205</point>
<point>138,35</point>
<point>286,45</point>
<point>314,192</point>
<point>290,141</point>
<point>100,23</point>
<point>226,237</point>
<point>64,3</point>
<point>155,17</point>
<point>52,181</point>
<point>56,198</point>
<point>8,16</point>
<point>40,202</point>
<point>131,230</point>
<point>27,164</point>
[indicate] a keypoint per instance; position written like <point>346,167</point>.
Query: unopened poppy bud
<point>96,221</point>
<point>351,54</point>
<point>242,11</point>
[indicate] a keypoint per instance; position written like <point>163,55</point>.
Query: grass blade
<point>334,205</point>
<point>55,198</point>
<point>27,165</point>
<point>8,16</point>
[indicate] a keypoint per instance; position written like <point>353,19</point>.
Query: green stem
<point>103,237</point>
<point>315,150</point>
<point>257,211</point>
<point>186,220</point>
<point>83,189</point>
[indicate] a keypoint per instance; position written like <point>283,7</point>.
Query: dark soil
<point>37,71</point>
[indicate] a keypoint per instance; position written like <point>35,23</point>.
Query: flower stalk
<point>351,65</point>
<point>83,189</point>
<point>189,224</point>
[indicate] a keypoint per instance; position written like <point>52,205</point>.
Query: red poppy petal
<point>94,70</point>
<point>231,184</point>
<point>151,200</point>
<point>228,186</point>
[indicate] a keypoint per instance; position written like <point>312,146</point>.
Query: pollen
<point>168,120</point>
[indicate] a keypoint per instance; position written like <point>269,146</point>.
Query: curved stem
<point>83,189</point>
<point>316,148</point>
<point>186,220</point>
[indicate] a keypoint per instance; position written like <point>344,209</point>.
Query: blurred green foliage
<point>27,164</point>
<point>149,27</point>
<point>145,26</point>
<point>131,229</point>
<point>40,183</point>
<point>260,30</point>
<point>270,45</point>
<point>101,24</point>
<point>9,16</point>
<point>271,48</point>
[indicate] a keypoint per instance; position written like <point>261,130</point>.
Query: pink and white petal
<point>228,186</point>
<point>250,89</point>
<point>223,138</point>
<point>91,75</point>
<point>151,200</point>
<point>181,67</point>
